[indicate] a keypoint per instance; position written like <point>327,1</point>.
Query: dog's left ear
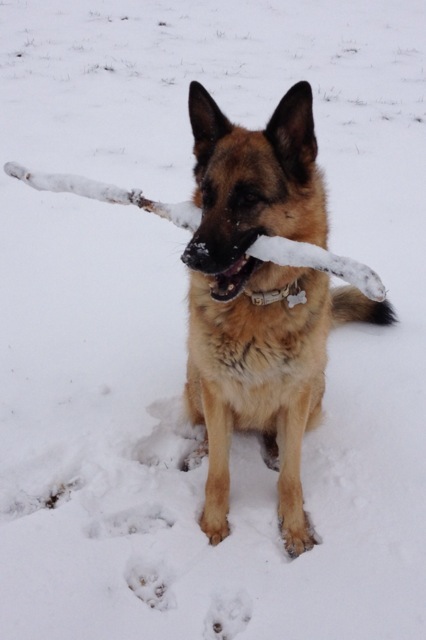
<point>291,131</point>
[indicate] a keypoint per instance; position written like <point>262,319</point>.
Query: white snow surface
<point>93,328</point>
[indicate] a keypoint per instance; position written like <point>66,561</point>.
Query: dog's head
<point>247,185</point>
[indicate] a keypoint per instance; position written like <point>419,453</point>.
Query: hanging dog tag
<point>299,298</point>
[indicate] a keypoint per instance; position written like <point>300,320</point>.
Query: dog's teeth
<point>231,287</point>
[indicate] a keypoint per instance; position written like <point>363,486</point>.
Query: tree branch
<point>186,215</point>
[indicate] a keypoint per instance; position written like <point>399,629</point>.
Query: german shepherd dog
<point>256,361</point>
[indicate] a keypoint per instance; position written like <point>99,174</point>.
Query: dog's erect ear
<point>207,121</point>
<point>291,131</point>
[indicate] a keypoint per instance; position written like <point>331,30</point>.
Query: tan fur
<point>260,367</point>
<point>350,305</point>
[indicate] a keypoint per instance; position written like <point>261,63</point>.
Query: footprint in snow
<point>228,615</point>
<point>21,503</point>
<point>150,583</point>
<point>145,519</point>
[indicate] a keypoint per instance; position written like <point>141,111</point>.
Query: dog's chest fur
<point>242,343</point>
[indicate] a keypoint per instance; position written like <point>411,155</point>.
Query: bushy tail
<point>350,305</point>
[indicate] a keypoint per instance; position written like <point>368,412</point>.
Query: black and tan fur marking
<point>259,367</point>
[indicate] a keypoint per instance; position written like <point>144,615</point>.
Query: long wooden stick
<point>186,215</point>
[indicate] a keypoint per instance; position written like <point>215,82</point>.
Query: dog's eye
<point>246,195</point>
<point>250,198</point>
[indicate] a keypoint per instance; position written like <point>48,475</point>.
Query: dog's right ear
<point>207,121</point>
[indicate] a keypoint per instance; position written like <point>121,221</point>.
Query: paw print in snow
<point>142,520</point>
<point>228,615</point>
<point>149,583</point>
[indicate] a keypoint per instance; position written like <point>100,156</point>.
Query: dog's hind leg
<point>296,530</point>
<point>219,427</point>
<point>270,451</point>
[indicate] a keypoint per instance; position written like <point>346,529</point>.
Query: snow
<point>93,326</point>
<point>302,254</point>
<point>282,251</point>
<point>67,183</point>
<point>184,214</point>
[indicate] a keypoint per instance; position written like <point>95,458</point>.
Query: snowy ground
<point>98,535</point>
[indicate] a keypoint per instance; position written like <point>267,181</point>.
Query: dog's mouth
<point>228,284</point>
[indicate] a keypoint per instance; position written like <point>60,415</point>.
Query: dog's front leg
<point>292,420</point>
<point>218,419</point>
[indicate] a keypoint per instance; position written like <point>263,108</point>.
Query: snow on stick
<point>301,254</point>
<point>186,215</point>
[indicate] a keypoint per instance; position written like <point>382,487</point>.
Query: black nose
<point>196,256</point>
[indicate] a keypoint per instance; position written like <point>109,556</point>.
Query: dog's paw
<point>228,615</point>
<point>301,539</point>
<point>296,543</point>
<point>171,441</point>
<point>195,458</point>
<point>216,529</point>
